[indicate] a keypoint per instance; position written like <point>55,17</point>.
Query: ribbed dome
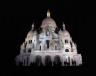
<point>48,22</point>
<point>30,34</point>
<point>66,33</point>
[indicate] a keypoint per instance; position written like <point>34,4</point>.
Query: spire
<point>32,27</point>
<point>64,28</point>
<point>48,13</point>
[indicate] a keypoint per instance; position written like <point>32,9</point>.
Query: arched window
<point>40,47</point>
<point>47,33</point>
<point>66,50</point>
<point>29,51</point>
<point>71,44</point>
<point>30,41</point>
<point>25,44</point>
<point>66,41</point>
<point>47,42</point>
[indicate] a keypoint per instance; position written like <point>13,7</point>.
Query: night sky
<point>16,22</point>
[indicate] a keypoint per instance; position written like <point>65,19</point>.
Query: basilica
<point>48,46</point>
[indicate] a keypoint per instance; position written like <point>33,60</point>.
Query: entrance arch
<point>57,60</point>
<point>38,60</point>
<point>48,61</point>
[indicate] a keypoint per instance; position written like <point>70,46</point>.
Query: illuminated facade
<point>49,46</point>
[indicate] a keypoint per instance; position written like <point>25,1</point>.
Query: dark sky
<point>78,17</point>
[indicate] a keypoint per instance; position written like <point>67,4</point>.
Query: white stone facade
<point>49,44</point>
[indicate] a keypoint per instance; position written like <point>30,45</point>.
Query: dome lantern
<point>64,28</point>
<point>32,26</point>
<point>48,13</point>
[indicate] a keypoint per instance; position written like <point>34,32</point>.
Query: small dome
<point>29,36</point>
<point>31,33</point>
<point>66,33</point>
<point>48,22</point>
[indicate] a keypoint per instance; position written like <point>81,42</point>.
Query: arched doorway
<point>38,60</point>
<point>57,60</point>
<point>48,61</point>
<point>67,61</point>
<point>73,62</point>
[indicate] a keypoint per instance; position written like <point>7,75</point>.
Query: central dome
<point>48,22</point>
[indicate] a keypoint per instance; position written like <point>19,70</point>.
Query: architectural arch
<point>48,61</point>
<point>57,60</point>
<point>38,60</point>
